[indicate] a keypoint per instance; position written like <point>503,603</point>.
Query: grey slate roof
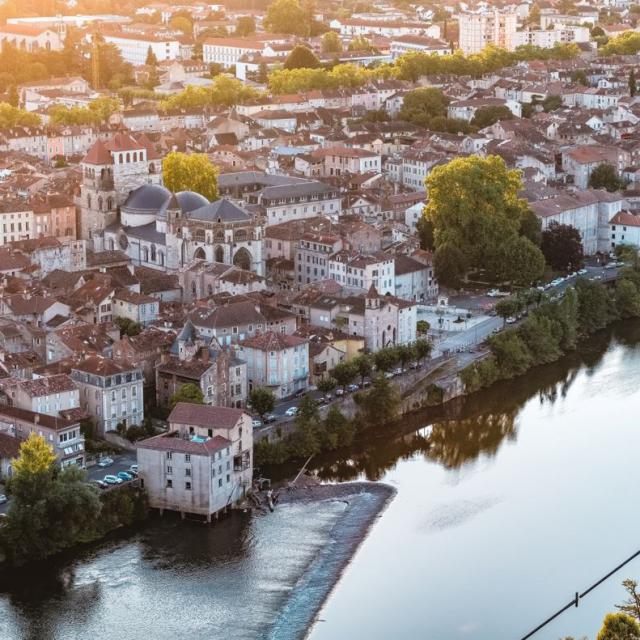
<point>222,209</point>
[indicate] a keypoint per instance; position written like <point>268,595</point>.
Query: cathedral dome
<point>144,204</point>
<point>190,201</point>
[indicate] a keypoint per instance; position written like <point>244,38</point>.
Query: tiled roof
<point>271,341</point>
<point>173,442</point>
<point>204,415</point>
<point>46,386</point>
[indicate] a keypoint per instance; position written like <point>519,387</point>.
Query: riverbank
<point>365,503</point>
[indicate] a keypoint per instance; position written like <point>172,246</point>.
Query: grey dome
<point>190,201</point>
<point>149,198</point>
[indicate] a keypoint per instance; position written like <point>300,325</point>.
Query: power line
<point>576,599</point>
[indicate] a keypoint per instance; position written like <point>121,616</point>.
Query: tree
<point>422,348</point>
<point>245,26</point>
<point>360,43</point>
<point>520,261</point>
<point>182,23</point>
<point>627,299</point>
<point>422,327</point>
<point>580,77</point>
<point>551,103</point>
<point>631,606</point>
<point>424,229</point>
<point>406,354</point>
<point>331,43</point>
<point>152,60</point>
<point>478,227</point>
<point>506,308</point>
<point>420,106</point>
<point>541,338</point>
<point>380,404</point>
<point>262,400</point>
<point>326,385</point>
<point>50,509</point>
<point>364,366</point>
<point>385,359</point>
<point>189,392</point>
<point>619,626</point>
<point>512,356</point>
<point>594,306</point>
<point>190,172</point>
<point>263,73</point>
<point>486,116</point>
<point>305,439</point>
<point>450,265</point>
<point>338,430</point>
<point>286,16</point>
<point>604,176</point>
<point>128,327</point>
<point>301,58</point>
<point>531,227</point>
<point>562,247</point>
<point>344,373</point>
<point>11,116</point>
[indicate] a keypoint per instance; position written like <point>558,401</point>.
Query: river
<point>507,504</point>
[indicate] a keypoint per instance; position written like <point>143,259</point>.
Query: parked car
<point>3,498</point>
<point>327,397</point>
<point>291,411</point>
<point>124,476</point>
<point>339,391</point>
<point>112,480</point>
<point>134,469</point>
<point>510,320</point>
<point>256,423</point>
<point>352,387</point>
<point>389,375</point>
<point>270,417</point>
<point>105,462</point>
<point>582,272</point>
<point>398,371</point>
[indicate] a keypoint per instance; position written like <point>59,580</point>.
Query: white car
<point>291,411</point>
<point>3,498</point>
<point>582,272</point>
<point>257,423</point>
<point>105,462</point>
<point>511,320</point>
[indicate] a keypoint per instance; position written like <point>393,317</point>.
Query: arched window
<point>242,259</point>
<point>200,254</point>
<point>199,235</point>
<point>145,254</point>
<point>120,158</point>
<point>219,236</point>
<point>89,200</point>
<point>153,253</point>
<point>128,157</point>
<point>219,257</point>
<point>152,168</point>
<point>99,203</point>
<point>135,156</point>
<point>161,258</point>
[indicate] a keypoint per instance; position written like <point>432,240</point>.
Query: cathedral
<point>124,206</point>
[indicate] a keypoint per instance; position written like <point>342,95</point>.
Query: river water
<point>507,504</point>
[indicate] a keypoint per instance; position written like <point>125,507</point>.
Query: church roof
<point>223,210</point>
<point>148,198</point>
<point>98,154</point>
<point>190,201</point>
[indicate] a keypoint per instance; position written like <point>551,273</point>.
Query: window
<point>168,455</point>
<point>220,482</point>
<point>187,472</point>
<point>228,478</point>
<point>169,470</point>
<point>187,486</point>
<point>169,483</point>
<point>187,457</point>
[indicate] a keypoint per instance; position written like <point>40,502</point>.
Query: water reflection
<point>475,427</point>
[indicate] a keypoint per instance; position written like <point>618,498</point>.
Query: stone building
<point>203,465</point>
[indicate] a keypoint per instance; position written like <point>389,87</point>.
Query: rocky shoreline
<point>365,502</point>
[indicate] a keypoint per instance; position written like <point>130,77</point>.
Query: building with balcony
<point>203,465</point>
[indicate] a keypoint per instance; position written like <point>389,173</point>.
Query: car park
<point>291,411</point>
<point>112,480</point>
<point>105,462</point>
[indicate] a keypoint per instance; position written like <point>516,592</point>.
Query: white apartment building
<point>228,51</point>
<point>339,160</point>
<point>276,361</point>
<point>203,465</point>
<point>16,221</point>
<point>49,395</point>
<point>359,272</point>
<point>624,228</point>
<point>477,30</point>
<point>425,44</point>
<point>548,38</point>
<point>111,393</point>
<point>548,17</point>
<point>134,47</point>
<point>387,28</point>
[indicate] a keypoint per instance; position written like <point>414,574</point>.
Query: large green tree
<point>477,215</point>
<point>286,16</point>
<point>190,172</point>
<point>245,26</point>
<point>562,247</point>
<point>331,43</point>
<point>262,400</point>
<point>619,626</point>
<point>188,392</point>
<point>420,106</point>
<point>301,58</point>
<point>604,176</point>
<point>486,116</point>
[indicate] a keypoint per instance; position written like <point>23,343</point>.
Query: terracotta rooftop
<point>204,415</point>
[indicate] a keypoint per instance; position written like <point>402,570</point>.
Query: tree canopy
<point>224,91</point>
<point>11,116</point>
<point>477,217</point>
<point>486,116</point>
<point>331,42</point>
<point>245,26</point>
<point>189,392</point>
<point>420,106</point>
<point>301,58</point>
<point>619,626</point>
<point>190,172</point>
<point>262,400</point>
<point>604,176</point>
<point>562,247</point>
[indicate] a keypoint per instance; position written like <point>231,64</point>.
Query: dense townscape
<point>236,235</point>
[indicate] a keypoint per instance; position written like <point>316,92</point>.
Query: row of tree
<point>553,328</point>
<point>224,92</point>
